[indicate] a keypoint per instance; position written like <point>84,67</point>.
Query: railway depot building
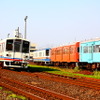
<point>32,49</point>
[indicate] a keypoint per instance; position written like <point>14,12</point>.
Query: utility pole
<point>18,32</point>
<point>25,19</point>
<point>8,35</point>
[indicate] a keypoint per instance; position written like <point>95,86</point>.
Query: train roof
<point>14,38</point>
<point>66,45</point>
<point>91,40</point>
<point>43,49</point>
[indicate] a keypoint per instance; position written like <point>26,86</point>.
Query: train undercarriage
<point>72,65</point>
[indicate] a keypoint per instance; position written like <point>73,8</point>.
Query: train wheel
<point>1,65</point>
<point>72,65</point>
<point>88,66</point>
<point>93,66</point>
<point>66,65</point>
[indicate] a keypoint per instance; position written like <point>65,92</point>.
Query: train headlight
<point>25,56</point>
<point>9,55</point>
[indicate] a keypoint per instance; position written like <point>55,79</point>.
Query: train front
<point>17,53</point>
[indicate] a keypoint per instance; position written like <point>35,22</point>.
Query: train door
<point>96,51</point>
<point>25,47</point>
<point>17,55</point>
<point>90,52</point>
<point>83,52</point>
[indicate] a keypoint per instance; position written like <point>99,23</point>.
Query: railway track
<point>89,83</point>
<point>92,84</point>
<point>32,92</point>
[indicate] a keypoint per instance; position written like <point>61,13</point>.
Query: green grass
<point>7,92</point>
<point>16,96</point>
<point>12,95</point>
<point>62,71</point>
<point>1,88</point>
<point>36,68</point>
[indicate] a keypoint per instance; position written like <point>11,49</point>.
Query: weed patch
<point>16,96</point>
<point>63,71</point>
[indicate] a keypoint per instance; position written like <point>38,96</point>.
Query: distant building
<point>32,49</point>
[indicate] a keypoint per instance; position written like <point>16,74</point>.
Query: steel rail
<point>74,81</point>
<point>50,93</point>
<point>30,96</point>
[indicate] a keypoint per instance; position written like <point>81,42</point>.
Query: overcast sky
<point>51,22</point>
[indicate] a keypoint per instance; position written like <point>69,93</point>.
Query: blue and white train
<point>41,56</point>
<point>14,52</point>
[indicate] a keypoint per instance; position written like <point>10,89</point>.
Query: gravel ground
<point>77,92</point>
<point>5,94</point>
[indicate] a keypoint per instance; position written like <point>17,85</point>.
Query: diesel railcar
<point>14,52</point>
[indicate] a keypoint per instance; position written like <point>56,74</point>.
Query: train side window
<point>43,54</point>
<point>90,49</point>
<point>52,52</point>
<point>58,52</point>
<point>2,46</point>
<point>65,50</point>
<point>47,52</point>
<point>9,45</point>
<point>96,48</point>
<point>35,54</point>
<point>17,45</point>
<point>25,47</point>
<point>71,50</point>
<point>40,54</point>
<point>99,48</point>
<point>85,49</point>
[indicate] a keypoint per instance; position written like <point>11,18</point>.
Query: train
<point>85,54</point>
<point>42,56</point>
<point>14,52</point>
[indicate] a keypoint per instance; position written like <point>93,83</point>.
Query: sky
<point>51,23</point>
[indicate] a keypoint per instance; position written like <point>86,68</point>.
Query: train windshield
<point>25,47</point>
<point>17,45</point>
<point>9,45</point>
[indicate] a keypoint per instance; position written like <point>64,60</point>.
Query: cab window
<point>9,45</point>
